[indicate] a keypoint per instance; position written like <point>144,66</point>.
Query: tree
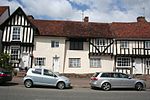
<point>4,61</point>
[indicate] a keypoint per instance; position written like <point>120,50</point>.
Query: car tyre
<point>139,86</point>
<point>28,83</point>
<point>106,86</point>
<point>61,85</point>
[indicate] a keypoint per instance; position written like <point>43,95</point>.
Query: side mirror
<point>55,75</point>
<point>129,77</point>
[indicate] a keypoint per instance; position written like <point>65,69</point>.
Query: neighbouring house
<point>132,46</point>
<point>18,39</point>
<point>77,46</point>
<point>4,14</point>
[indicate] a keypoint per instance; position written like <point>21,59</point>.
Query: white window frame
<point>124,44</point>
<point>95,63</point>
<point>16,34</point>
<point>123,62</point>
<point>147,44</point>
<point>14,53</point>
<point>74,62</point>
<point>39,61</point>
<point>54,44</point>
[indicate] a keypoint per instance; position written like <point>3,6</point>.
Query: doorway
<point>56,64</point>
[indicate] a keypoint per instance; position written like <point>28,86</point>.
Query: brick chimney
<point>86,19</point>
<point>30,17</point>
<point>141,19</point>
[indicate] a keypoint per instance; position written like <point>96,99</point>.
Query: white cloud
<point>98,10</point>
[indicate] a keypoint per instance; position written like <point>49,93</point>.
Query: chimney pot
<point>141,19</point>
<point>86,19</point>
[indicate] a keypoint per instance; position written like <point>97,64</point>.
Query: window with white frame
<point>124,44</point>
<point>39,61</point>
<point>74,62</point>
<point>95,62</point>
<point>54,44</point>
<point>16,34</point>
<point>147,44</point>
<point>15,53</point>
<point>123,61</point>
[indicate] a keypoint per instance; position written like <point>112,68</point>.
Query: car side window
<point>123,75</point>
<point>37,71</point>
<point>48,73</point>
<point>116,75</point>
<point>106,75</point>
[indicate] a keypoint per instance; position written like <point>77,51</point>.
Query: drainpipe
<point>65,52</point>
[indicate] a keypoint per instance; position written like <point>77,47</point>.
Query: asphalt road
<point>19,92</point>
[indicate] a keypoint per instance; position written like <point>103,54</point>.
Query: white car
<point>45,77</point>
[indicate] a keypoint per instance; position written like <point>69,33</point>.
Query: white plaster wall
<point>43,49</point>
<point>107,63</point>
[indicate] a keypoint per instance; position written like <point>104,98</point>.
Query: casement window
<point>100,42</point>
<point>15,53</point>
<point>124,44</point>
<point>123,61</point>
<point>74,62</point>
<point>16,34</point>
<point>95,62</point>
<point>147,44</point>
<point>76,45</point>
<point>40,61</point>
<point>54,44</point>
<point>148,63</point>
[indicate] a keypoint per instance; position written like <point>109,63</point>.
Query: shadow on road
<point>118,89</point>
<point>9,84</point>
<point>48,87</point>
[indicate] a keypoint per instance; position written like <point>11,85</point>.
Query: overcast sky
<point>97,10</point>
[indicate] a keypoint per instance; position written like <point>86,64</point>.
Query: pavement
<point>76,82</point>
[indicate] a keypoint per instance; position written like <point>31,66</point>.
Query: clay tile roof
<point>134,30</point>
<point>72,28</point>
<point>3,9</point>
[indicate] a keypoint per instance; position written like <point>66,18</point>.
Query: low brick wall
<point>73,75</point>
<point>146,78</point>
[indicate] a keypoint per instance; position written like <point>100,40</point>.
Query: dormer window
<point>16,34</point>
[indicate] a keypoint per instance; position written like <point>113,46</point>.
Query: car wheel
<point>139,86</point>
<point>61,85</point>
<point>106,86</point>
<point>28,83</point>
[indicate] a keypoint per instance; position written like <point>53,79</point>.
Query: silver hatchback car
<point>45,77</point>
<point>109,80</point>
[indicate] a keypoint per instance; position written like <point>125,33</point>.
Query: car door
<point>126,82</point>
<point>49,78</point>
<point>37,76</point>
<point>116,80</point>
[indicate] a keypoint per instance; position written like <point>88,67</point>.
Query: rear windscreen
<point>96,74</point>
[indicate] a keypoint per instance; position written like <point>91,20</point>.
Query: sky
<point>96,10</point>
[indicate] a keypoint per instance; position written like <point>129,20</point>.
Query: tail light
<point>3,75</point>
<point>94,78</point>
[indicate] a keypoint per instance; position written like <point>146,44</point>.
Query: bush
<point>4,61</point>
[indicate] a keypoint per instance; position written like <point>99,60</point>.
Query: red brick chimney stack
<point>141,19</point>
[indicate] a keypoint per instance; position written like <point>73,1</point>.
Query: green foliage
<point>4,61</point>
